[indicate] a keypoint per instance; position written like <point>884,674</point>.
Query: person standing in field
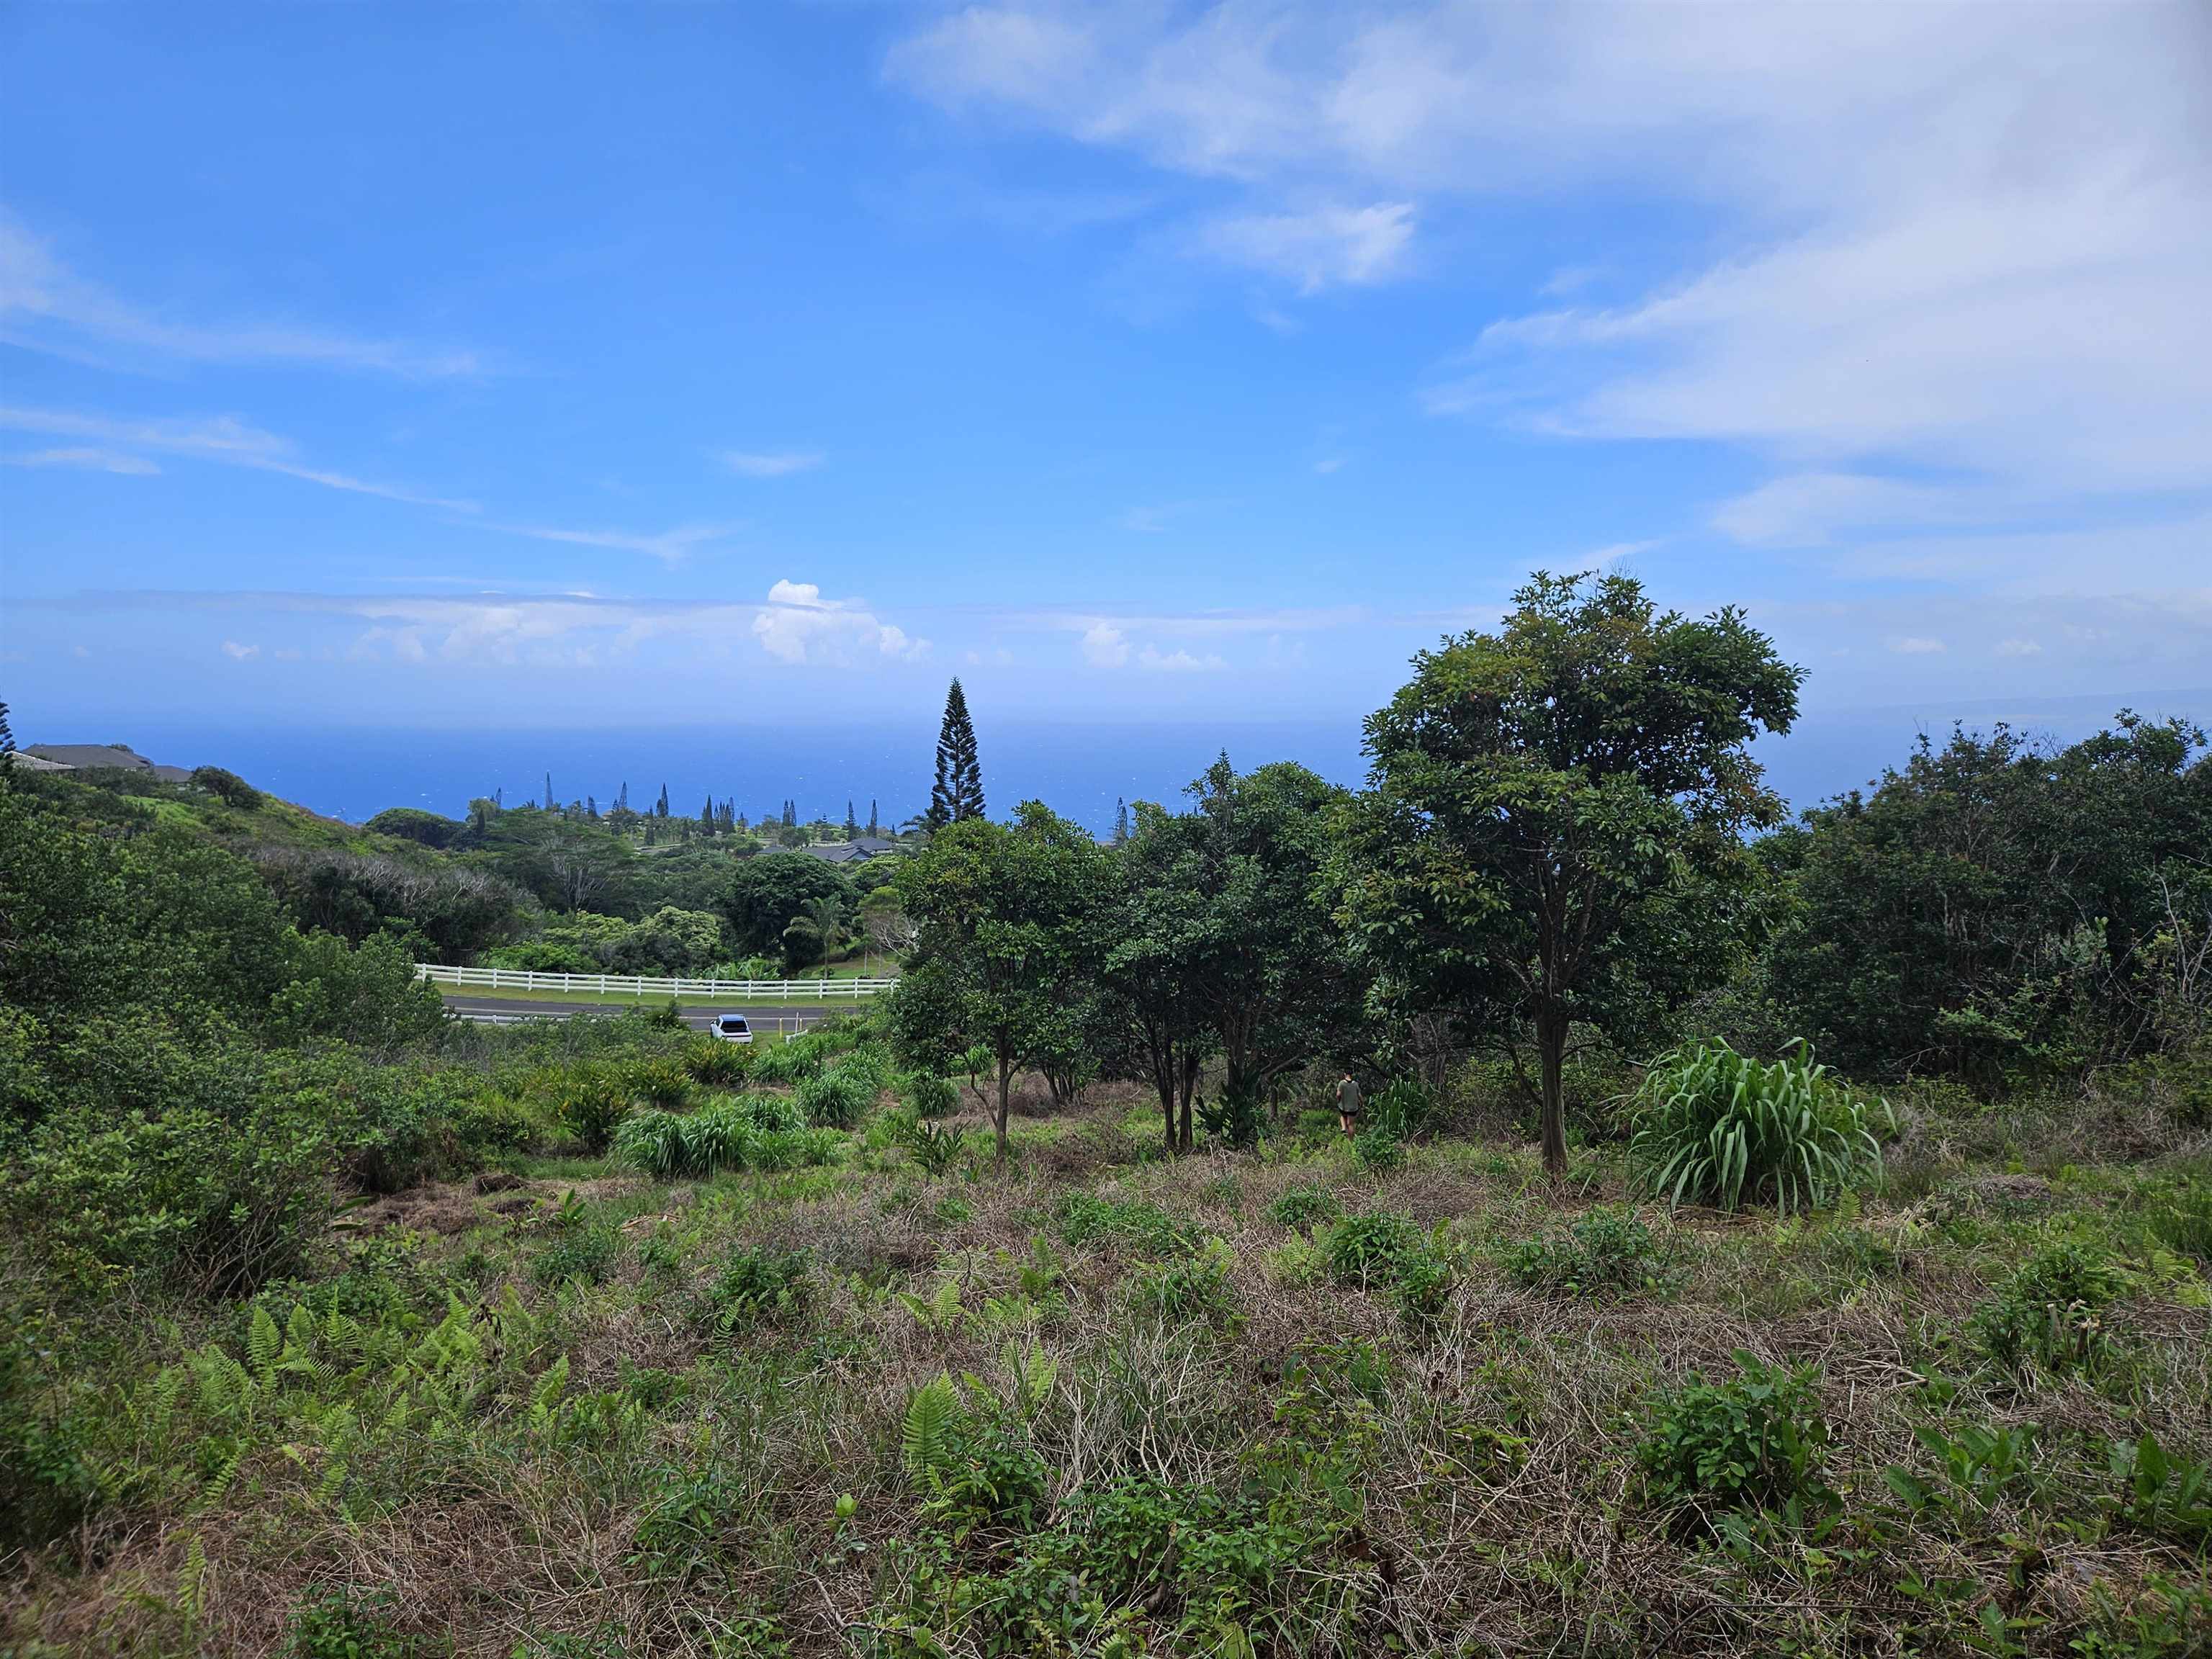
<point>1348,1105</point>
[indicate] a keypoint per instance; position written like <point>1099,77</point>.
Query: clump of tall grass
<point>1717,1128</point>
<point>840,1095</point>
<point>757,1132</point>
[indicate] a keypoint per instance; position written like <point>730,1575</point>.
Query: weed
<point>1187,1288</point>
<point>1606,1256</point>
<point>2162,1493</point>
<point>1714,1127</point>
<point>927,1095</point>
<point>2050,1312</point>
<point>1365,1249</point>
<point>761,1287</point>
<point>348,1624</point>
<point>1755,1442</point>
<point>1378,1150</point>
<point>1301,1208</point>
<point>658,1081</point>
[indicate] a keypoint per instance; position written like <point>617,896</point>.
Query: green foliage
<point>657,1081</point>
<point>1606,1256</point>
<point>1976,1466</point>
<point>759,1286</point>
<point>716,1064</point>
<point>577,1249</point>
<point>937,1150</point>
<point>927,1095</point>
<point>1755,1442</point>
<point>1303,1206</point>
<point>366,994</point>
<point>1714,1127</point>
<point>840,1095</point>
<point>1377,1151</point>
<point>1401,1107</point>
<point>228,787</point>
<point>1084,1217</point>
<point>1187,1288</point>
<point>767,891</point>
<point>1369,1248</point>
<point>348,1624</point>
<point>592,1103</point>
<point>2050,1314</point>
<point>2162,1493</point>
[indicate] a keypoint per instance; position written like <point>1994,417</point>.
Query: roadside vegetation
<point>1838,1279</point>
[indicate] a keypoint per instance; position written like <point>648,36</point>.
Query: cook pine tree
<point>959,792</point>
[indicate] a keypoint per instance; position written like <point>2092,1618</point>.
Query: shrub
<point>1401,1107</point>
<point>2163,1494</point>
<point>594,1101</point>
<point>1607,1255</point>
<point>2181,1219</point>
<point>1756,1442</point>
<point>579,1249</point>
<point>835,1098</point>
<point>716,1064</point>
<point>658,1081</point>
<point>927,1095</point>
<point>1421,1289</point>
<point>2050,1312</point>
<point>1378,1150</point>
<point>1714,1127</point>
<point>936,1150</point>
<point>1366,1249</point>
<point>761,1287</point>
<point>346,1624</point>
<point>754,1131</point>
<point>1086,1217</point>
<point>1300,1207</point>
<point>228,787</point>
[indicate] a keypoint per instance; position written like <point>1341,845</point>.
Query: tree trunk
<point>1190,1065</point>
<point>1552,1054</point>
<point>1006,1078</point>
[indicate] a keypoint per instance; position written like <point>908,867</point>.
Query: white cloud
<point>221,438</point>
<point>1177,662</point>
<point>1105,646</point>
<point>2020,647</point>
<point>1953,271</point>
<point>47,306</point>
<point>770,464</point>
<point>799,626</point>
<point>1318,248</point>
<point>238,653</point>
<point>670,545</point>
<point>1915,645</point>
<point>90,460</point>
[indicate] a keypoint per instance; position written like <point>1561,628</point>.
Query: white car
<point>729,1027</point>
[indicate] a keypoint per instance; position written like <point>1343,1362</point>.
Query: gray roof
<point>841,852</point>
<point>31,763</point>
<point>88,754</point>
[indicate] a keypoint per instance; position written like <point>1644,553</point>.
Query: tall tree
<point>958,794</point>
<point>592,807</point>
<point>874,827</point>
<point>549,792</point>
<point>1555,815</point>
<point>8,744</point>
<point>660,808</point>
<point>1004,917</point>
<point>1121,822</point>
<point>852,825</point>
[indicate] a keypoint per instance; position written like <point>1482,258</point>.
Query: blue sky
<point>520,368</point>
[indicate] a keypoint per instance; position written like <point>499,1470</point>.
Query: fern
<point>931,1440</point>
<point>1034,1373</point>
<point>263,1346</point>
<point>941,1312</point>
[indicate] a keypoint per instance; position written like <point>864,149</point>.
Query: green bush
<point>658,1081</point>
<point>1756,1442</point>
<point>2163,1494</point>
<point>2050,1312</point>
<point>1378,1150</point>
<point>761,1287</point>
<point>1368,1250</point>
<point>584,1250</point>
<point>840,1095</point>
<point>1300,1207</point>
<point>715,1064</point>
<point>926,1095</point>
<point>591,1103</point>
<point>1714,1127</point>
<point>752,1132</point>
<point>1607,1255</point>
<point>348,1624</point>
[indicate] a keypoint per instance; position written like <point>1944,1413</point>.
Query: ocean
<point>1078,768</point>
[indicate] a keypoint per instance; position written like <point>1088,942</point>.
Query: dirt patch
<point>442,1207</point>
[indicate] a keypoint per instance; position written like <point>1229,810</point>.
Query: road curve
<point>764,1018</point>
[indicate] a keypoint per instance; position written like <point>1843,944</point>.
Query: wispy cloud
<point>89,460</point>
<point>223,439</point>
<point>771,464</point>
<point>1105,645</point>
<point>238,653</point>
<point>47,306</point>
<point>669,545</point>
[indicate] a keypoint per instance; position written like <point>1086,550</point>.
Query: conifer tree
<point>7,736</point>
<point>1120,821</point>
<point>660,808</point>
<point>592,807</point>
<point>959,792</point>
<point>707,815</point>
<point>549,792</point>
<point>851,824</point>
<point>874,827</point>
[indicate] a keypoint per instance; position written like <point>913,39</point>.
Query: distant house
<point>849,852</point>
<point>91,757</point>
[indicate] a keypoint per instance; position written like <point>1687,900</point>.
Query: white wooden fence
<point>521,979</point>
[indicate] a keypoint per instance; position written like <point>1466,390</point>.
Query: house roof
<point>88,753</point>
<point>840,851</point>
<point>31,763</point>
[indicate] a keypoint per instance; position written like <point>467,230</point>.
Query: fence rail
<point>522,979</point>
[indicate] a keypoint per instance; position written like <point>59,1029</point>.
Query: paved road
<point>499,1010</point>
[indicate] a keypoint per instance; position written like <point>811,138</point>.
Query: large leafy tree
<point>1004,917</point>
<point>1997,908</point>
<point>1556,814</point>
<point>1223,940</point>
<point>958,792</point>
<point>769,891</point>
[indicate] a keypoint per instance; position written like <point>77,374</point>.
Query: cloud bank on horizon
<point>1190,359</point>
